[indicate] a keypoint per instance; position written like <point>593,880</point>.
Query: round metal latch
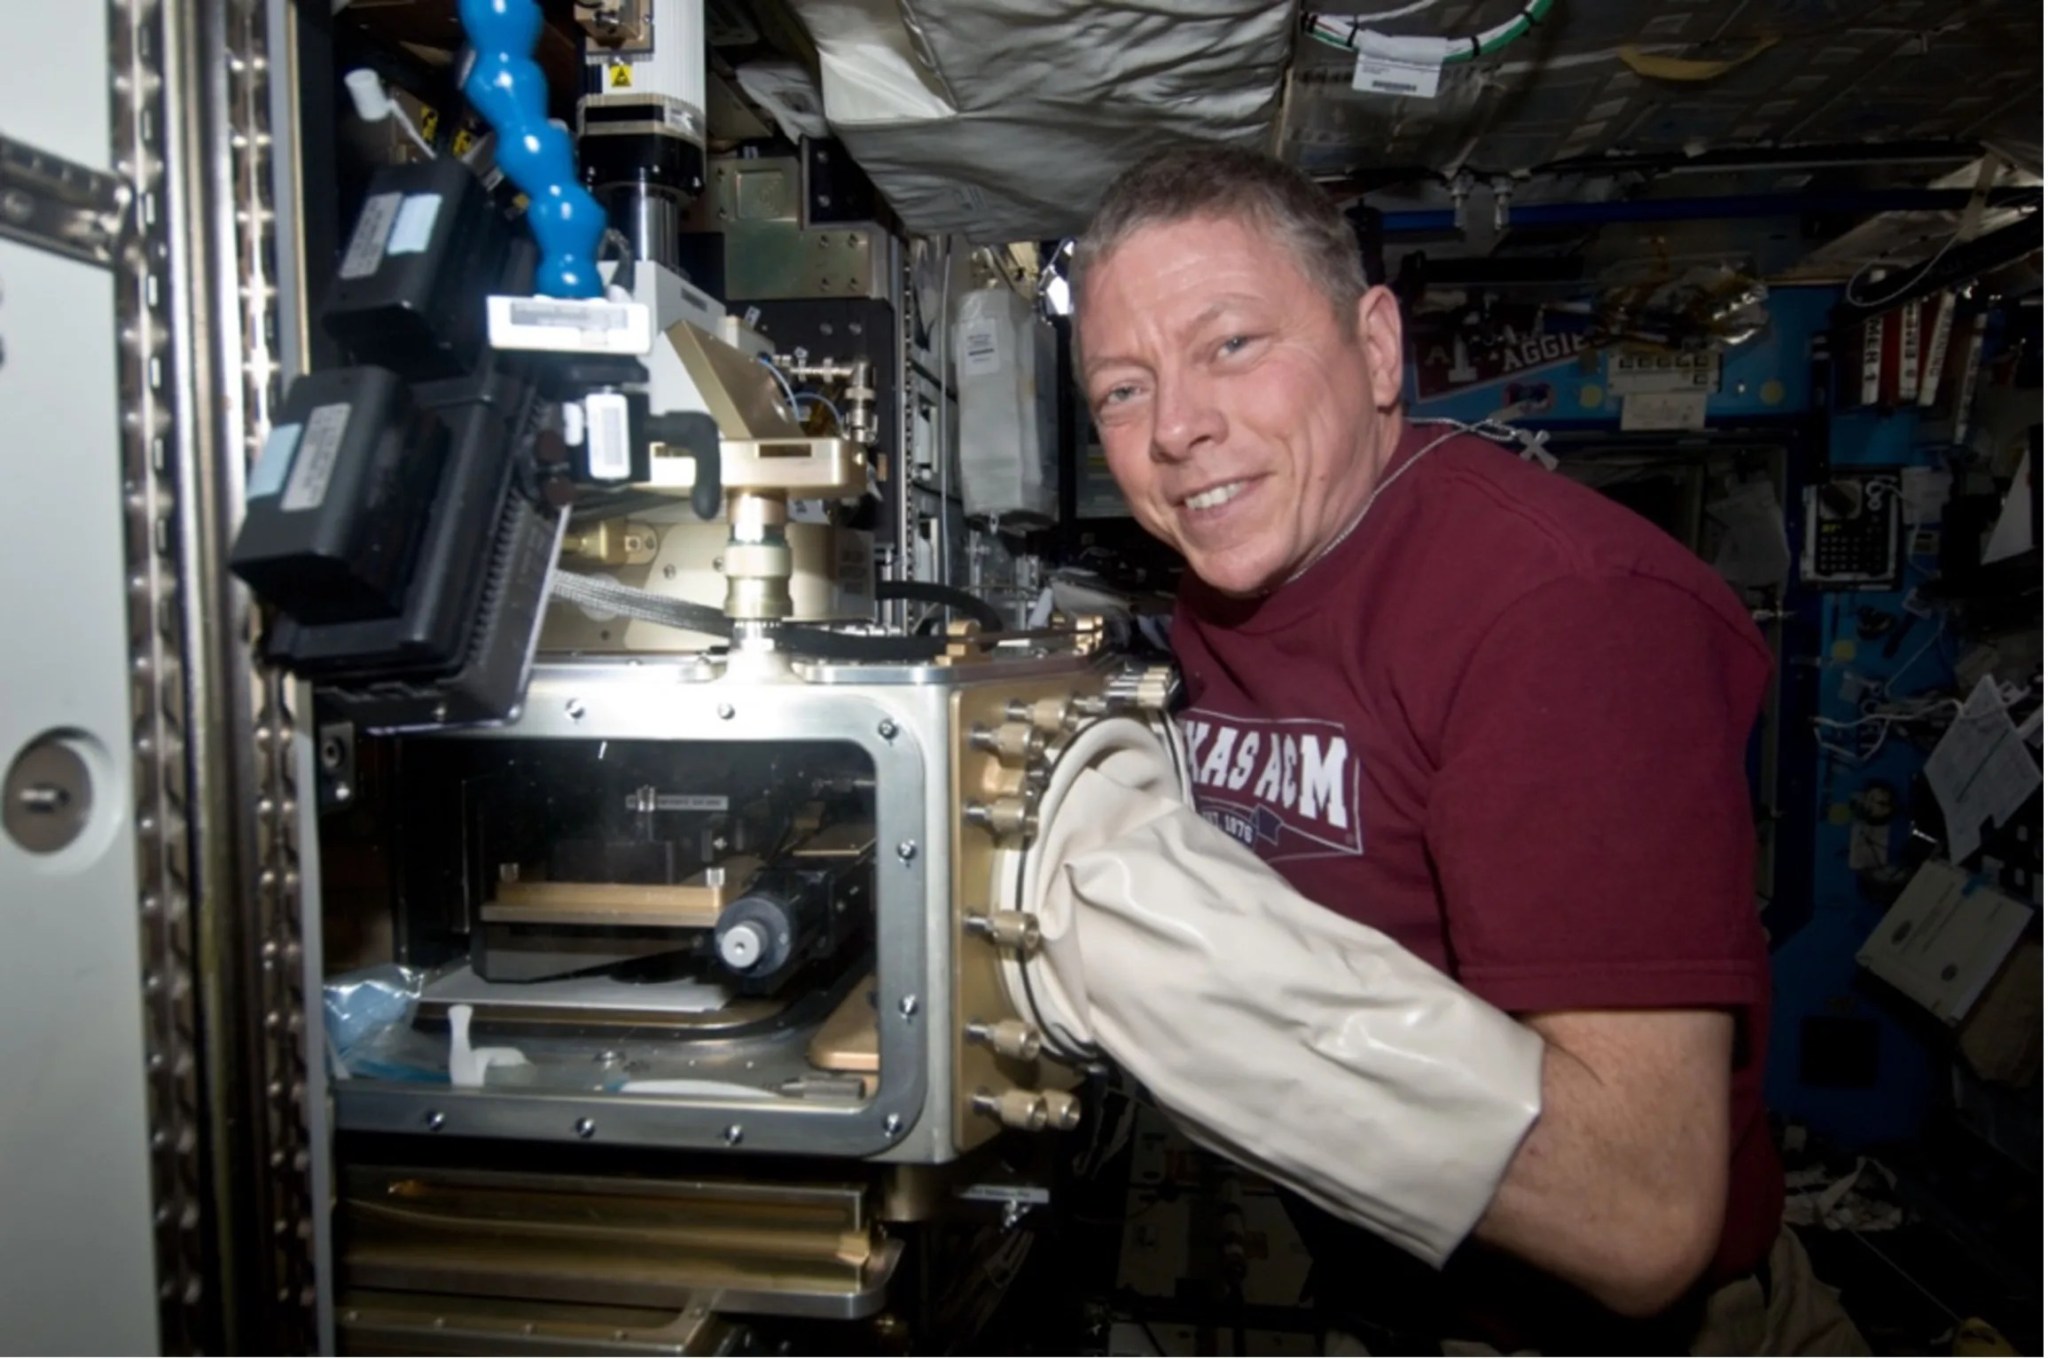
<point>47,798</point>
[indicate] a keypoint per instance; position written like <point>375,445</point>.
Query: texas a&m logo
<point>1288,788</point>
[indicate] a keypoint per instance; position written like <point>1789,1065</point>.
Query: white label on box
<point>373,228</point>
<point>267,476</point>
<point>570,325</point>
<point>608,431</point>
<point>1381,73</point>
<point>981,350</point>
<point>1664,410</point>
<point>319,450</point>
<point>414,227</point>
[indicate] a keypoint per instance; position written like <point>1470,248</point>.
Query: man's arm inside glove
<point>1319,1052</point>
<point>1621,1185</point>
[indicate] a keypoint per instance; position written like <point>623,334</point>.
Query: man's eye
<point>1236,344</point>
<point>1118,395</point>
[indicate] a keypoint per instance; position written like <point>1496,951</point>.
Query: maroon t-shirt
<point>1504,723</point>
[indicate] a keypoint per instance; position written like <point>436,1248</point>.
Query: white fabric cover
<point>1299,1043</point>
<point>1006,122</point>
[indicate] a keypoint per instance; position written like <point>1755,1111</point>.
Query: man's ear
<point>1379,330</point>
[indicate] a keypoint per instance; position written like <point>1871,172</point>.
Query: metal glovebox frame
<point>902,718</point>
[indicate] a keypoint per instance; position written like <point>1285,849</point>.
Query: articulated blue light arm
<point>507,88</point>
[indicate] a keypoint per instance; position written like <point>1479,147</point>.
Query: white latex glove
<point>1297,1042</point>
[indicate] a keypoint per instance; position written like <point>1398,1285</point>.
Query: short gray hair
<point>1235,184</point>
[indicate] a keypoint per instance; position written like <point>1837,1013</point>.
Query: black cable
<point>825,645</point>
<point>931,592</point>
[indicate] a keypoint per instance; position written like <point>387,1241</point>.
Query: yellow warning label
<point>430,119</point>
<point>464,139</point>
<point>619,76</point>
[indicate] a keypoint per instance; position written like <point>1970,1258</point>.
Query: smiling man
<point>1487,713</point>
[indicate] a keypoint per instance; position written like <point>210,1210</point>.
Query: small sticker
<point>373,228</point>
<point>430,123</point>
<point>464,139</point>
<point>267,476</point>
<point>319,450</point>
<point>981,349</point>
<point>414,226</point>
<point>619,76</point>
<point>608,433</point>
<point>1379,73</point>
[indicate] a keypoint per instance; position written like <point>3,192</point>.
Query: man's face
<point>1241,420</point>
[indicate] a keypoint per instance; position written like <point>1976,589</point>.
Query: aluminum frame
<point>900,718</point>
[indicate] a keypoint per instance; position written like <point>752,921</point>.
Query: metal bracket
<point>55,205</point>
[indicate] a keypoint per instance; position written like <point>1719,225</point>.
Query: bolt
<point>668,572</point>
<point>893,1124</point>
<point>725,711</point>
<point>907,1006</point>
<point>574,707</point>
<point>586,1129</point>
<point>907,850</point>
<point>886,730</point>
<point>732,1134</point>
<point>436,1120</point>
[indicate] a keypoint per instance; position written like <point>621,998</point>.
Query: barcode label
<point>569,315</point>
<point>1378,74</point>
<point>373,228</point>
<point>319,451</point>
<point>609,435</point>
<point>981,350</point>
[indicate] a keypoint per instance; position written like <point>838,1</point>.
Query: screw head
<point>907,1006</point>
<point>892,1124</point>
<point>732,1134</point>
<point>725,711</point>
<point>574,707</point>
<point>586,1128</point>
<point>907,850</point>
<point>886,729</point>
<point>436,1120</point>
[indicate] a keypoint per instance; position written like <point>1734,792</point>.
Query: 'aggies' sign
<point>1287,788</point>
<point>1449,357</point>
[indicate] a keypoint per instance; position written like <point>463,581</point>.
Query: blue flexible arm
<point>508,89</point>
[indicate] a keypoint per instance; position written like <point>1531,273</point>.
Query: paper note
<point>1981,771</point>
<point>1664,410</point>
<point>1922,493</point>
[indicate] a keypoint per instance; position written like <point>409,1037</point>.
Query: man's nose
<point>1185,417</point>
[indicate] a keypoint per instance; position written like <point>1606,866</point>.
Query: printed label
<point>1377,73</point>
<point>414,227</point>
<point>981,349</point>
<point>319,450</point>
<point>373,228</point>
<point>569,315</point>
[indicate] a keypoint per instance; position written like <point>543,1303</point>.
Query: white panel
<point>77,1269</point>
<point>53,87</point>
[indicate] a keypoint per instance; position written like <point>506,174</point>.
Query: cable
<point>930,592</point>
<point>795,410</point>
<point>1972,216</point>
<point>608,596</point>
<point>943,545</point>
<point>1344,33</point>
<point>813,398</point>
